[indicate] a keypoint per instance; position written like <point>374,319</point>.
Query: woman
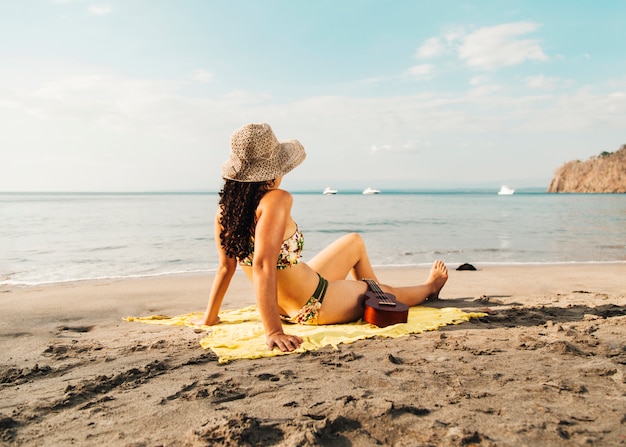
<point>254,228</point>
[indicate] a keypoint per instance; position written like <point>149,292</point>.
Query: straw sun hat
<point>256,155</point>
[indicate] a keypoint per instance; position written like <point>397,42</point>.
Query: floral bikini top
<point>290,251</point>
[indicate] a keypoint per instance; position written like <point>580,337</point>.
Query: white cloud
<point>501,45</point>
<point>542,82</point>
<point>432,47</point>
<point>486,48</point>
<point>100,10</point>
<point>146,105</point>
<point>484,90</point>
<point>384,148</point>
<point>105,100</point>
<point>202,75</point>
<point>404,147</point>
<point>478,80</point>
<point>104,118</point>
<point>422,71</point>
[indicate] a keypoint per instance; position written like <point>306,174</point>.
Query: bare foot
<point>202,322</point>
<point>437,279</point>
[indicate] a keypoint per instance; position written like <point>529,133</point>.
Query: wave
<point>4,281</point>
<point>108,248</point>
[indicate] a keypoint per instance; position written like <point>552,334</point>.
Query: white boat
<point>371,191</point>
<point>505,191</point>
<point>329,190</point>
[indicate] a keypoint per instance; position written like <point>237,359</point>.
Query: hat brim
<point>293,155</point>
<point>290,155</point>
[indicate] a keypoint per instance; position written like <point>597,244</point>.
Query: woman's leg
<point>345,255</point>
<point>344,300</point>
<point>414,295</point>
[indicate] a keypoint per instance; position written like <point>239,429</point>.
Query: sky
<point>143,95</point>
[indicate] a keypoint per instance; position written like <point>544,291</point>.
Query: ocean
<point>49,238</point>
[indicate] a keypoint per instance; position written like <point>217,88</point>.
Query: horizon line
<point>292,190</point>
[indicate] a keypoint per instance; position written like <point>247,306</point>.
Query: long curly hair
<point>238,202</point>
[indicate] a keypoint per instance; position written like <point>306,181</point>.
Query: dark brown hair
<point>238,202</point>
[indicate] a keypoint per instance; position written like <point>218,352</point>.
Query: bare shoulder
<point>277,198</point>
<point>275,204</point>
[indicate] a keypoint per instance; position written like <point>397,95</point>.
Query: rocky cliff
<point>605,173</point>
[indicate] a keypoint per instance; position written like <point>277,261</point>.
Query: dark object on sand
<point>466,266</point>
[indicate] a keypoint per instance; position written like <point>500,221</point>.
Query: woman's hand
<point>284,342</point>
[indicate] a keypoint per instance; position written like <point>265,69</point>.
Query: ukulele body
<point>383,315</point>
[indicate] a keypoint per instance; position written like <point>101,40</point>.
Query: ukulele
<point>382,309</point>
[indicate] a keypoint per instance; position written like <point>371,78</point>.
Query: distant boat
<point>371,191</point>
<point>505,191</point>
<point>329,191</point>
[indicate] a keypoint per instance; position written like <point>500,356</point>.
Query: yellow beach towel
<point>240,334</point>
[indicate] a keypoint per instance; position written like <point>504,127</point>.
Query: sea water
<point>48,238</point>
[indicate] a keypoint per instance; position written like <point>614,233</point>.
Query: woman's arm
<point>225,271</point>
<point>274,213</point>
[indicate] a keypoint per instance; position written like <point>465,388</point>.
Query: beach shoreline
<point>6,285</point>
<point>547,365</point>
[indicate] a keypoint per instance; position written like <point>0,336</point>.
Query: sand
<point>547,366</point>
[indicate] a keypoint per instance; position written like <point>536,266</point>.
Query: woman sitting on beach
<point>254,228</point>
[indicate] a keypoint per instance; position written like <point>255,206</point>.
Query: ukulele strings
<point>378,291</point>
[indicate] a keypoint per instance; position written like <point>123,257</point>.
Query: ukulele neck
<point>382,297</point>
<point>374,287</point>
